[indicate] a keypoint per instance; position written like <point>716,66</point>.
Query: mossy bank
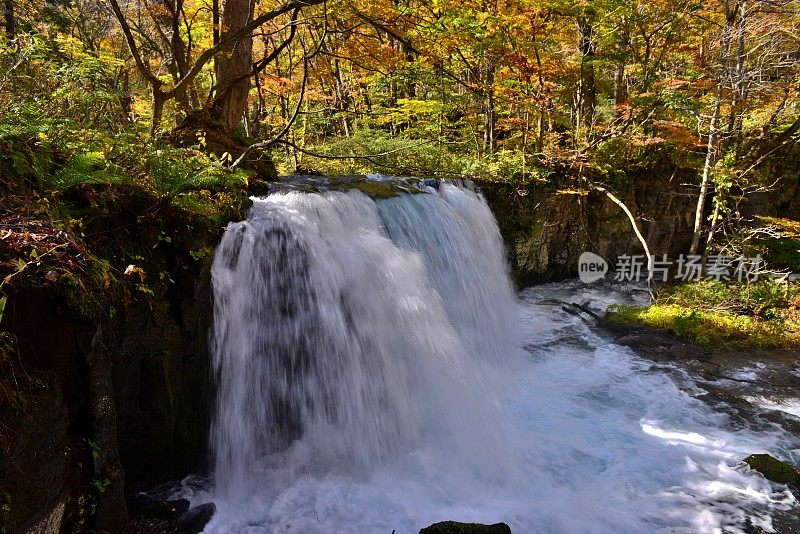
<point>106,302</point>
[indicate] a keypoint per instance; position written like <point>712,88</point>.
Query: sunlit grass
<point>717,316</point>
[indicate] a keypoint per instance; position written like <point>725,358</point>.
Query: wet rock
<point>145,505</point>
<point>196,519</point>
<point>645,339</point>
<point>454,527</point>
<point>679,351</point>
<point>111,514</point>
<point>150,526</point>
<point>786,421</point>
<point>659,345</point>
<point>34,471</point>
<point>774,469</point>
<point>718,395</point>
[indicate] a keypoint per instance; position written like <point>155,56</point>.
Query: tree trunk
<point>543,102</point>
<point>488,125</point>
<point>712,152</point>
<point>634,226</point>
<point>180,60</point>
<point>708,166</point>
<point>11,25</point>
<point>620,86</point>
<point>489,111</point>
<point>158,111</point>
<point>233,82</point>
<point>739,90</point>
<point>620,93</point>
<point>587,92</point>
<point>215,32</point>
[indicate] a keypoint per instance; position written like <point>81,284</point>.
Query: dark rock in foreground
<point>147,506</point>
<point>774,469</point>
<point>453,527</point>
<point>196,519</point>
<point>658,345</point>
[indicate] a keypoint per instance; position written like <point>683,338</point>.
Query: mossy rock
<point>774,469</point>
<point>454,527</point>
<point>375,189</point>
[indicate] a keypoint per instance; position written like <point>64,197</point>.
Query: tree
<point>234,67</point>
<point>11,25</point>
<point>731,12</point>
<point>232,54</point>
<point>754,78</point>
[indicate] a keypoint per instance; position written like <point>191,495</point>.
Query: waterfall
<point>349,331</point>
<point>375,372</point>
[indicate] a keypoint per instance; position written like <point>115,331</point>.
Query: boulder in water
<point>774,469</point>
<point>145,505</point>
<point>195,519</point>
<point>454,527</point>
<point>659,345</point>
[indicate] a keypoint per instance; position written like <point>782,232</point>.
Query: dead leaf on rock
<point>132,270</point>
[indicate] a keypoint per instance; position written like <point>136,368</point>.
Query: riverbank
<point>716,315</point>
<point>759,384</point>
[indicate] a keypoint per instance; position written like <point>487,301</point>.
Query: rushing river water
<point>375,373</point>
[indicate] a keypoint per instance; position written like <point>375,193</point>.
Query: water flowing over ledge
<point>375,371</point>
<point>362,329</point>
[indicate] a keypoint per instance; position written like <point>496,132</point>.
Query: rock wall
<point>116,389</point>
<point>107,413</point>
<point>548,224</point>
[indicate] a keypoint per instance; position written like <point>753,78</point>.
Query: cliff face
<point>547,225</point>
<point>109,411</point>
<point>107,386</point>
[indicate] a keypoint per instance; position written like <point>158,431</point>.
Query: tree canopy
<point>502,90</point>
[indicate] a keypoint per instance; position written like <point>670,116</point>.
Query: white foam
<point>786,405</point>
<point>414,335</point>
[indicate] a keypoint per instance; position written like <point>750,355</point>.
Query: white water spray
<point>351,348</point>
<point>370,378</point>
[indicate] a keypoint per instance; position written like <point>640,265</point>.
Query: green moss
<point>758,315</point>
<point>216,208</point>
<point>783,253</point>
<point>774,469</point>
<point>537,229</point>
<point>765,299</point>
<point>711,330</point>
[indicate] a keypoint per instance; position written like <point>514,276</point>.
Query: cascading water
<point>352,347</point>
<point>375,372</point>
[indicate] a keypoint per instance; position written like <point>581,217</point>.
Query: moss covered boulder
<point>454,527</point>
<point>774,469</point>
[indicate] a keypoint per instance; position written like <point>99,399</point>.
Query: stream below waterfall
<point>376,372</point>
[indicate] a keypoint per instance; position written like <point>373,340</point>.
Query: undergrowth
<point>717,315</point>
<point>52,155</point>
